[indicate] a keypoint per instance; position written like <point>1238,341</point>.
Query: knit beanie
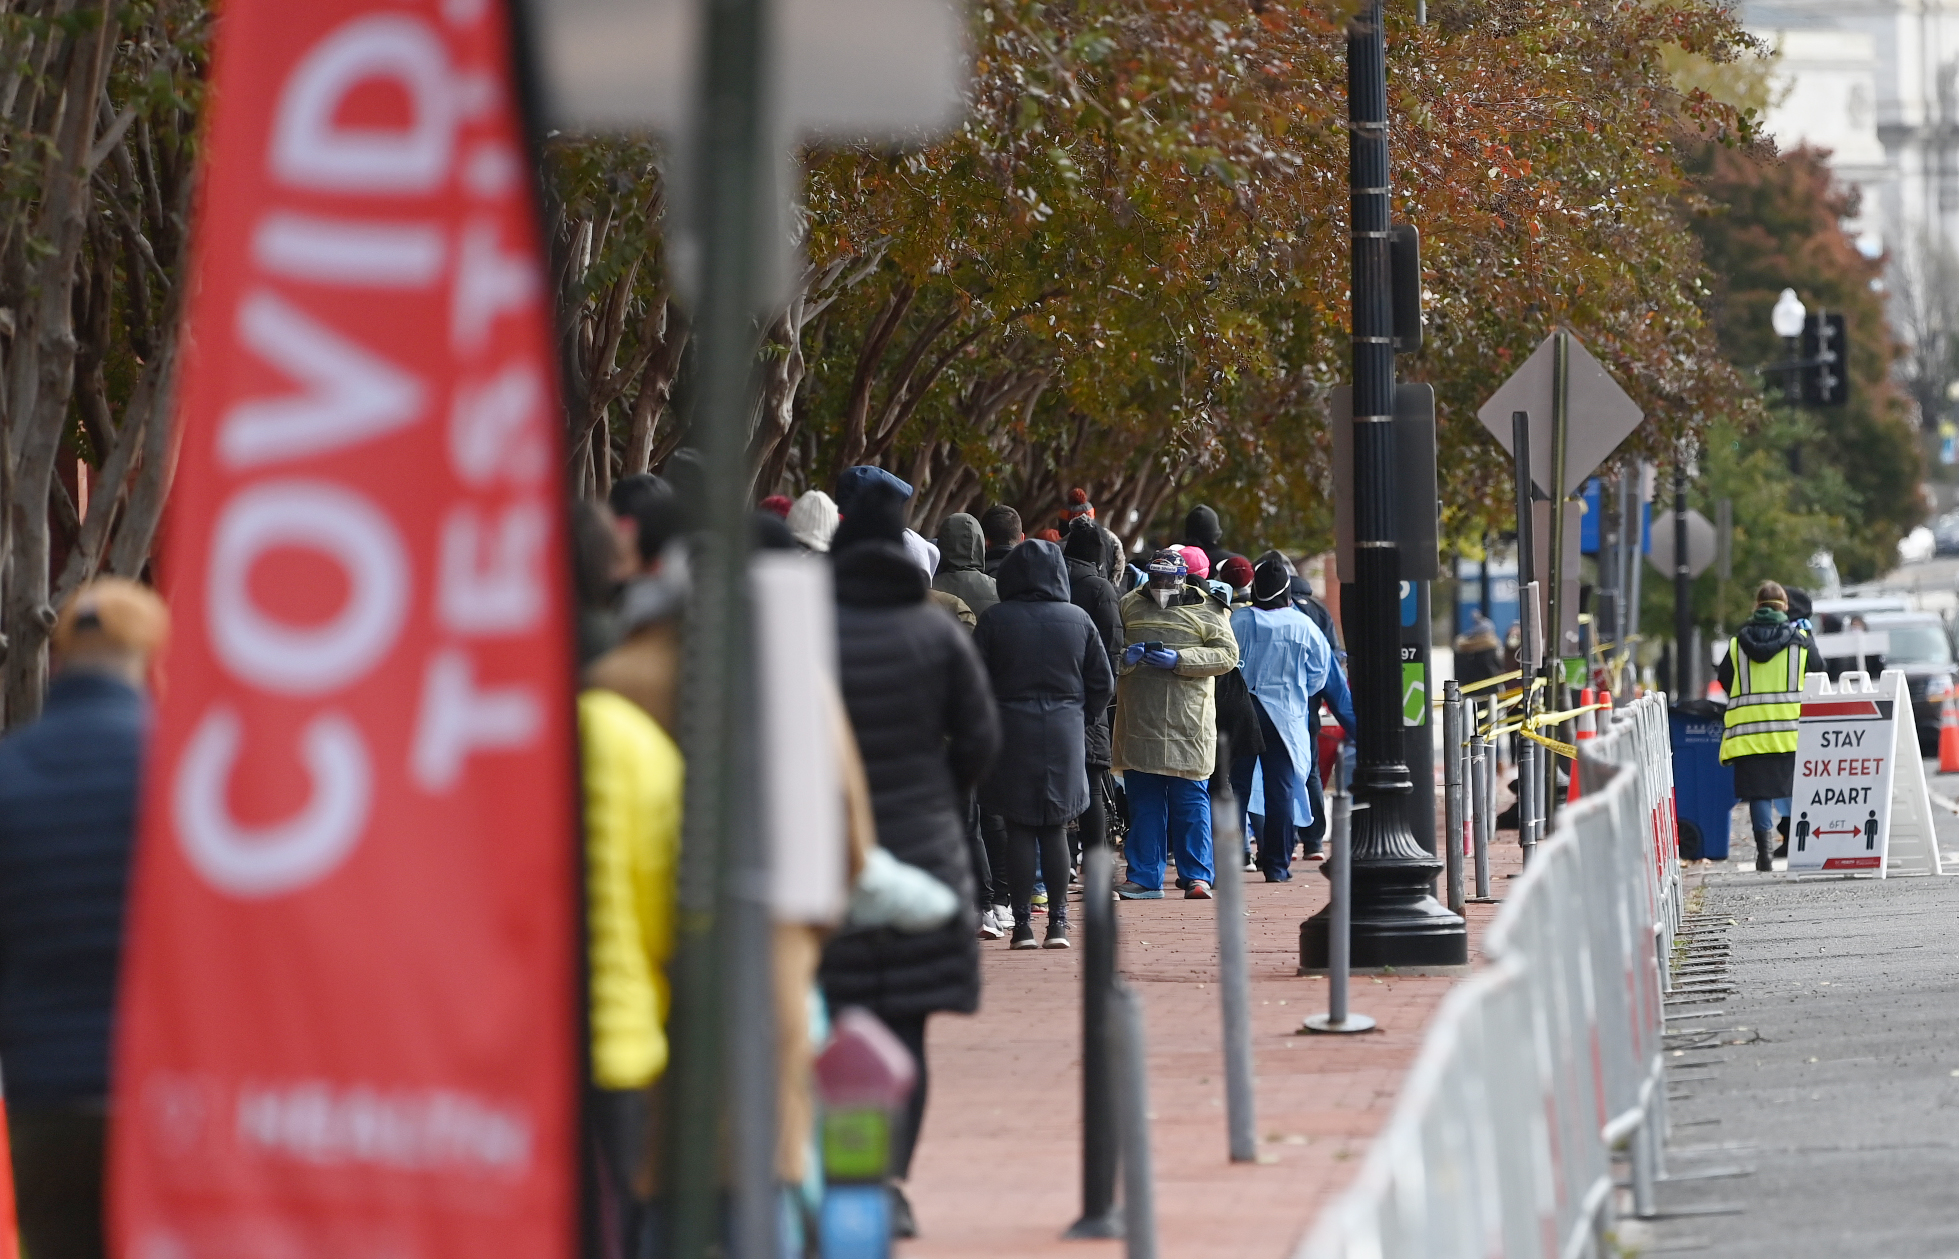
<point>813,520</point>
<point>1272,586</point>
<point>1084,540</point>
<point>1196,559</point>
<point>877,514</point>
<point>1237,571</point>
<point>1078,505</point>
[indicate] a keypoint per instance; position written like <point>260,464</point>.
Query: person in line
<point>69,786</point>
<point>1236,573</point>
<point>962,563</point>
<point>854,480</point>
<point>1479,652</point>
<point>1091,591</point>
<point>1165,740</point>
<point>1050,669</point>
<point>928,730</point>
<point>926,556</point>
<point>1001,525</point>
<point>812,521</point>
<point>1765,697</point>
<point>1080,508</point>
<point>632,776</point>
<point>1289,665</point>
<point>1203,531</point>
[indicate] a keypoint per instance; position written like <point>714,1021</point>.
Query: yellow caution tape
<point>1489,682</point>
<point>1562,749</point>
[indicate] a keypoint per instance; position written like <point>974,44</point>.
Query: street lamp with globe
<point>1787,320</point>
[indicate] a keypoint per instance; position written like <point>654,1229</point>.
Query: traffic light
<point>1826,375</point>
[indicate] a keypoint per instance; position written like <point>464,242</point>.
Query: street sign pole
<point>724,1046</point>
<point>1554,625</point>
<point>1683,593</point>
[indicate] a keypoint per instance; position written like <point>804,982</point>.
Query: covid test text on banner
<point>1859,803</point>
<point>348,1017</point>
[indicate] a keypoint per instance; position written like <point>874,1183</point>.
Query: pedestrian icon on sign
<point>1802,832</point>
<point>1870,830</point>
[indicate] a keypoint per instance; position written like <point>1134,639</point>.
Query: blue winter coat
<point>68,790</point>
<point>1286,662</point>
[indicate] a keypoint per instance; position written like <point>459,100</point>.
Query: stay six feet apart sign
<point>1847,753</point>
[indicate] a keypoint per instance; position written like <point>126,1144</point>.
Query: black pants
<point>1050,844</point>
<point>911,1032</point>
<point>982,863</point>
<point>993,832</point>
<point>1094,821</point>
<point>57,1156</point>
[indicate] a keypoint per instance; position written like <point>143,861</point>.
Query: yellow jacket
<point>633,779</point>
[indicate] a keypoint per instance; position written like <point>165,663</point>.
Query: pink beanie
<point>1196,559</point>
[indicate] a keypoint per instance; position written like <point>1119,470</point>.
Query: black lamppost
<point>1396,918</point>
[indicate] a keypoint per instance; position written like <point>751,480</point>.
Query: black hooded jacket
<point>962,563</point>
<point>1201,529</point>
<point>1050,668</point>
<point>925,723</point>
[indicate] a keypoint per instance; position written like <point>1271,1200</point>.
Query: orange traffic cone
<point>1949,738</point>
<point>1587,729</point>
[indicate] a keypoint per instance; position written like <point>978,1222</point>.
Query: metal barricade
<point>1543,1063</point>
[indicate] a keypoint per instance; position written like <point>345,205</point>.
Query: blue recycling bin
<point>1704,788</point>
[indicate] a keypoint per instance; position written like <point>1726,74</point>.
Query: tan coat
<point>1166,719</point>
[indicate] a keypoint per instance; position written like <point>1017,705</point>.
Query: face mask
<point>1164,598</point>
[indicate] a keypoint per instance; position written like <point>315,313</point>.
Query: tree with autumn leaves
<point>1127,270</point>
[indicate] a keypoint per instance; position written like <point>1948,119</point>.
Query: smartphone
<point>1152,646</point>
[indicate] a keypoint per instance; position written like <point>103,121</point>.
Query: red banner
<point>348,1016</point>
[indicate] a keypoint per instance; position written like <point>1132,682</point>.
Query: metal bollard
<point>1482,814</point>
<point>1527,797</point>
<point>1101,1140</point>
<point>1644,1168</point>
<point>1234,984</point>
<point>1138,1189</point>
<point>1453,801</point>
<point>1339,945</point>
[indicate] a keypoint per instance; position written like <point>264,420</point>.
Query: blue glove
<point>1132,653</point>
<point>1161,658</point>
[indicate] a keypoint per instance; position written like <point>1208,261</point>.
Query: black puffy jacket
<point>1050,668</point>
<point>926,726</point>
<point>68,790</point>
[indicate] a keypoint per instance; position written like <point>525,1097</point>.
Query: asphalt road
<point>1814,1069</point>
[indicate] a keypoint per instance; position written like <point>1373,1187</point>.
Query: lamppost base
<point>1323,1023</point>
<point>1397,920</point>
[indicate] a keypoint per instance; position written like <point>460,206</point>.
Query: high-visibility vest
<point>1767,700</point>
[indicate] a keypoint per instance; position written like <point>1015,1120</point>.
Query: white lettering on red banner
<point>349,993</point>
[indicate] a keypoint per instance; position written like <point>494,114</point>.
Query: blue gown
<point>1286,662</point>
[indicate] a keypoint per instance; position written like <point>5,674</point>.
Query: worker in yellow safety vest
<point>1763,676</point>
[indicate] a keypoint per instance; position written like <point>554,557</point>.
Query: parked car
<point>1920,647</point>
<point>1945,534</point>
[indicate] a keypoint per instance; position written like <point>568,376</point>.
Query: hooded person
<point>1051,676</point>
<point>1763,675</point>
<point>1165,740</point>
<point>812,521</point>
<point>1203,530</point>
<point>962,563</point>
<point>927,728</point>
<point>1317,612</point>
<point>1479,652</point>
<point>926,556</point>
<point>1289,665</point>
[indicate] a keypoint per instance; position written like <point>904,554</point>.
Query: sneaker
<point>903,1223</point>
<point>1133,891</point>
<point>1316,854</point>
<point>1251,864</point>
<point>1198,890</point>
<point>989,928</point>
<point>1278,876</point>
<point>1057,935</point>
<point>1003,918</point>
<point>1024,937</point>
<point>1040,898</point>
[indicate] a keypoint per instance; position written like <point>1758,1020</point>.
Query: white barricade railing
<point>1542,1063</point>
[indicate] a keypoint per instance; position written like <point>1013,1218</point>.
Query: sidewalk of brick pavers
<point>998,1169</point>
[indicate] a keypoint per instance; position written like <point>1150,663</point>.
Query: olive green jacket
<point>1166,719</point>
